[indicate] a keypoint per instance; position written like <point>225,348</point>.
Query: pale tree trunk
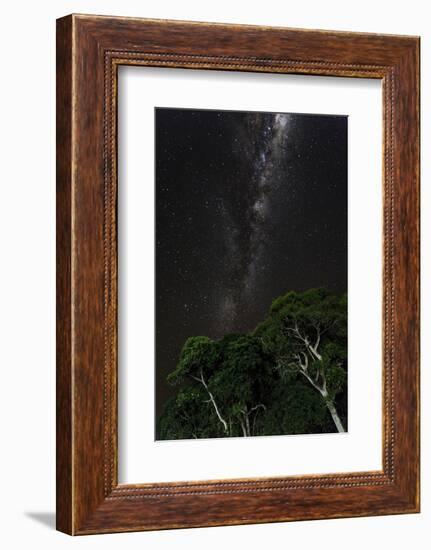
<point>246,426</point>
<point>330,404</point>
<point>335,417</point>
<point>219,416</point>
<point>243,428</point>
<point>212,400</point>
<point>318,382</point>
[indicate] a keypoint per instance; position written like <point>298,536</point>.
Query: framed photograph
<point>237,274</point>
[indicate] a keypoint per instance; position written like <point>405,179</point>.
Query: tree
<point>230,376</point>
<point>241,381</point>
<point>286,377</point>
<point>198,360</point>
<point>307,336</point>
<point>187,416</point>
<point>294,408</point>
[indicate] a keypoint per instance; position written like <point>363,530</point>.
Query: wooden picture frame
<point>89,51</point>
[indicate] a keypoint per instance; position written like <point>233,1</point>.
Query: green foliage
<point>309,314</point>
<point>199,354</point>
<point>254,384</point>
<point>187,416</point>
<point>296,409</point>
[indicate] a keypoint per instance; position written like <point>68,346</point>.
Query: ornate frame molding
<point>90,49</point>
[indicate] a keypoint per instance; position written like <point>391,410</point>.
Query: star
<point>249,205</point>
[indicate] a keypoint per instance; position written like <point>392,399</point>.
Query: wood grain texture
<point>64,496</point>
<point>90,49</point>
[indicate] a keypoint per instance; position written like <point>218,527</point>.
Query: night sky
<point>249,205</point>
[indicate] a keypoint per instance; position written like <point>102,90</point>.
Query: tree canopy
<point>288,376</point>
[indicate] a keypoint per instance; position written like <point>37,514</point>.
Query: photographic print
<point>251,273</point>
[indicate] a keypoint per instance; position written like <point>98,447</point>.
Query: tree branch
<point>316,344</point>
<point>211,398</point>
<point>312,382</point>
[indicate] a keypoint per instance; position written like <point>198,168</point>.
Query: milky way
<point>264,148</point>
<point>248,206</point>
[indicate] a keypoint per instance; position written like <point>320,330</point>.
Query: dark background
<point>248,206</point>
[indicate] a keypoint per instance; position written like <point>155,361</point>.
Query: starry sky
<point>249,205</point>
